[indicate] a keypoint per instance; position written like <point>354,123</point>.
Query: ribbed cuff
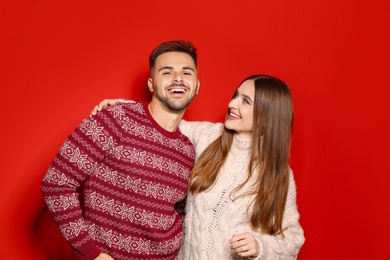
<point>88,251</point>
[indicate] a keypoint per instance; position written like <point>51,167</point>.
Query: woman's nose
<point>233,103</point>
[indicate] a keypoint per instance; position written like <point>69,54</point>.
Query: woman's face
<point>240,114</point>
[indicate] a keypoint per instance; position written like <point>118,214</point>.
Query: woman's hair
<point>273,117</point>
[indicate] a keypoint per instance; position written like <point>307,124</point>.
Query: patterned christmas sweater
<point>135,177</point>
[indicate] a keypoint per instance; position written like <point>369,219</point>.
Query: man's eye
<point>187,73</point>
<point>166,73</point>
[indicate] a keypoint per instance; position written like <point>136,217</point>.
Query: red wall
<point>60,58</point>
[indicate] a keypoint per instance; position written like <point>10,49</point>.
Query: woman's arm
<point>288,245</point>
<point>193,130</point>
<point>198,131</point>
<point>106,103</point>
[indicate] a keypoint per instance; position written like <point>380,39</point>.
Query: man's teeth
<point>177,90</point>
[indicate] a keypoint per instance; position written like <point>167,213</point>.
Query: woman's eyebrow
<point>248,97</point>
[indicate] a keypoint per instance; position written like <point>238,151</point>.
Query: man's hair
<point>173,46</point>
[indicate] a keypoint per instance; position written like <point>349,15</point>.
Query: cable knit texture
<point>212,217</point>
<point>136,176</point>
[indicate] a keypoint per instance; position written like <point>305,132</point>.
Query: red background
<point>60,58</point>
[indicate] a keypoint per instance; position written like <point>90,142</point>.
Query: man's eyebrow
<point>188,68</point>
<point>171,68</point>
<point>166,68</point>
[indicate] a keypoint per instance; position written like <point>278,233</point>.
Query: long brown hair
<point>273,117</point>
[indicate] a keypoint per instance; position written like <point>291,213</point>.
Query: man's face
<point>174,80</point>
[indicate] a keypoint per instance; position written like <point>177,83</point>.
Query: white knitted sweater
<point>212,217</point>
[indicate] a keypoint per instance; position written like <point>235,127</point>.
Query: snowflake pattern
<point>139,108</point>
<point>155,190</point>
<point>62,202</point>
<point>117,111</point>
<point>93,130</point>
<point>57,178</point>
<point>135,245</point>
<point>136,156</point>
<point>73,229</point>
<point>107,143</point>
<point>124,242</point>
<point>109,175</point>
<point>157,221</point>
<point>75,156</point>
<point>117,152</point>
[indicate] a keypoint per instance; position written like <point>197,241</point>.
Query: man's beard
<point>172,105</point>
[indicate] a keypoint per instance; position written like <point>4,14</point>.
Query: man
<point>135,163</point>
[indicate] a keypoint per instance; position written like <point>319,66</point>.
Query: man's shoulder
<point>123,108</point>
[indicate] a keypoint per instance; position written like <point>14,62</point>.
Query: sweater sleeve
<point>285,247</point>
<point>196,131</point>
<point>82,151</point>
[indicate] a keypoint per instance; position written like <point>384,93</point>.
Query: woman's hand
<point>103,104</point>
<point>245,245</point>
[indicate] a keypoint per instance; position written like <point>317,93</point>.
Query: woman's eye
<point>246,101</point>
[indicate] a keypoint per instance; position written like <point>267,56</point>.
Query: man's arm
<point>76,160</point>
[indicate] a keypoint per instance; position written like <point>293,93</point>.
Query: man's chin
<point>177,107</point>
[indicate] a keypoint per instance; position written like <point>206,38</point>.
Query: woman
<point>241,200</point>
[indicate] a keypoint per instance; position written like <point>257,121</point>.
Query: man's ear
<point>198,87</point>
<point>150,84</point>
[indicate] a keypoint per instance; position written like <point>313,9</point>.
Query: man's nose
<point>177,77</point>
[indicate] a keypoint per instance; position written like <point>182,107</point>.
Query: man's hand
<point>103,104</point>
<point>104,256</point>
<point>245,245</point>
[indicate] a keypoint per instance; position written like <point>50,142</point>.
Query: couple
<point>241,193</point>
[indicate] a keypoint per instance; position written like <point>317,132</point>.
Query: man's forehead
<point>175,59</point>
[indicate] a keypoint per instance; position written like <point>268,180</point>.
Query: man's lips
<point>177,90</point>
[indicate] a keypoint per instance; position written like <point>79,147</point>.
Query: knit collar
<point>242,143</point>
<point>174,135</point>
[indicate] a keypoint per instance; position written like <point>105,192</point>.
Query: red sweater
<point>135,177</point>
